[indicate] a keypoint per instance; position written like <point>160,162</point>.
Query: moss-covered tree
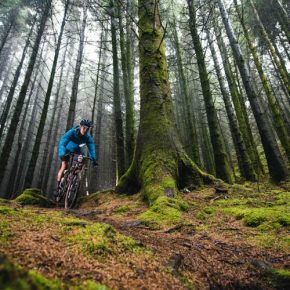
<point>223,170</point>
<point>160,166</point>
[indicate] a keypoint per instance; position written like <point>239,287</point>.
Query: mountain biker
<point>70,143</point>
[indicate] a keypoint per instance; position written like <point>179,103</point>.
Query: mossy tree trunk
<point>160,165</point>
<point>277,117</point>
<point>240,109</point>
<point>116,98</point>
<point>245,164</point>
<point>20,101</point>
<point>190,123</point>
<point>278,64</point>
<point>223,170</point>
<point>277,168</point>
<point>125,49</point>
<point>37,143</point>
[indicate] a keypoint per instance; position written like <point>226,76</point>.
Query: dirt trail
<point>213,262</point>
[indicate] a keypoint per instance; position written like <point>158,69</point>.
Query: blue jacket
<point>71,140</point>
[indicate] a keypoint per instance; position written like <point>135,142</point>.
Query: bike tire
<point>72,192</point>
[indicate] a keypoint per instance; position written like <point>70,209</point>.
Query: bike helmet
<point>86,122</point>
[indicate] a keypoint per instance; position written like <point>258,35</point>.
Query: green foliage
<point>33,196</point>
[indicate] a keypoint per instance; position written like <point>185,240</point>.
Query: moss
<point>5,232</point>
<point>279,278</point>
<point>14,277</point>
<point>165,211</point>
<point>101,239</point>
<point>122,209</point>
<point>5,210</point>
<point>89,285</point>
<point>33,196</point>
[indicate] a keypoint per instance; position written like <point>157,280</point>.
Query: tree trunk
<point>36,147</point>
<point>193,150</point>
<point>14,83</point>
<point>276,165</point>
<point>130,113</point>
<point>278,119</point>
<point>282,72</point>
<point>75,86</point>
<point>160,166</point>
<point>129,101</point>
<point>245,164</point>
<point>117,102</point>
<point>16,115</point>
<point>221,161</point>
<point>23,157</point>
<point>5,36</point>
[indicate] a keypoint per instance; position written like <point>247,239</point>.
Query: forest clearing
<point>144,144</point>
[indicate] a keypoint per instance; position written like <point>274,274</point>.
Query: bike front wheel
<point>72,192</point>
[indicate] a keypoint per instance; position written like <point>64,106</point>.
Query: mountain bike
<point>70,182</point>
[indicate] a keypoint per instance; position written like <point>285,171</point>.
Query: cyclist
<point>70,143</point>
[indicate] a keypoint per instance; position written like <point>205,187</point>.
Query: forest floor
<point>237,240</point>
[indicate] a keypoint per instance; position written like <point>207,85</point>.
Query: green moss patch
<point>165,211</point>
<point>279,278</point>
<point>101,239</point>
<point>33,196</point>
<point>15,277</point>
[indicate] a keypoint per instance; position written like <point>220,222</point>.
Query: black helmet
<point>86,122</point>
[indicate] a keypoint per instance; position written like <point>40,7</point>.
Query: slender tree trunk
<point>277,117</point>
<point>16,115</point>
<point>276,165</point>
<point>221,161</point>
<point>36,147</point>
<point>130,114</point>
<point>129,102</point>
<point>97,78</point>
<point>117,102</point>
<point>189,117</point>
<point>245,164</point>
<point>5,36</point>
<point>283,19</point>
<point>14,84</point>
<point>282,72</point>
<point>38,77</point>
<point>75,86</point>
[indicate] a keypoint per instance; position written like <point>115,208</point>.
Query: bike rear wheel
<point>72,192</point>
